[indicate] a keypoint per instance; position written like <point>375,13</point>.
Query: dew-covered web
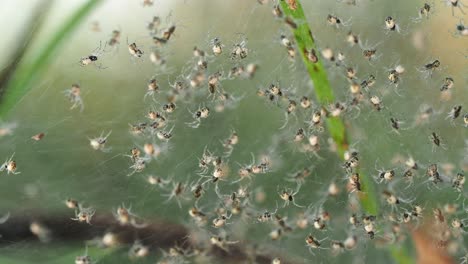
<point>242,119</point>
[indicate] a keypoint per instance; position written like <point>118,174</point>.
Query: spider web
<point>63,164</point>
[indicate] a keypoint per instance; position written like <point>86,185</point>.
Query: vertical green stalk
<point>324,93</point>
<point>22,79</point>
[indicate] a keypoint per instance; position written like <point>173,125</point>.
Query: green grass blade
<point>22,79</point>
<point>324,93</point>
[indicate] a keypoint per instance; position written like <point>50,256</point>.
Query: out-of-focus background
<point>63,164</point>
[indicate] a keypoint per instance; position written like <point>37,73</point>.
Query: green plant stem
<point>22,80</point>
<point>324,93</point>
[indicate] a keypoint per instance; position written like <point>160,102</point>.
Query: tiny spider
<point>177,192</point>
<point>138,250</point>
<point>288,195</point>
<point>138,129</point>
<point>153,87</point>
<point>351,161</point>
<point>396,124</point>
<point>276,11</point>
<point>314,243</point>
<point>423,11</point>
<point>459,224</point>
<point>436,141</point>
<point>352,39</point>
<point>394,74</point>
<point>201,113</point>
<point>376,102</point>
<point>10,166</point>
<point>251,69</point>
<point>461,29</point>
<point>38,137</point>
<point>167,33</point>
<point>169,108</point>
<point>299,176</point>
<point>311,55</point>
<point>158,181</point>
<point>164,135</point>
<point>214,82</point>
<point>139,164</point>
<point>84,259</point>
<point>385,175</point>
<point>350,242</point>
<point>72,203</point>
<point>99,143</point>
<point>197,191</point>
<point>285,41</point>
<point>216,46</point>
<point>245,172</point>
<point>328,54</point>
<point>458,182</point>
<point>41,231</point>
<point>207,159</point>
<point>290,110</point>
<point>239,50</point>
<point>335,21</point>
<point>221,220</point>
<point>199,216</point>
<point>230,142</point>
<point>454,4</point>
<point>152,151</point>
<point>454,112</point>
<point>147,2</point>
<point>305,102</point>
<point>428,69</point>
<point>220,171</point>
<point>84,214</point>
<point>393,200</point>
<point>266,216</point>
<point>448,84</point>
<point>74,95</point>
<point>370,52</point>
<point>369,225</point>
<point>95,55</point>
<point>134,50</point>
<point>337,246</point>
<point>391,25</point>
<point>221,241</point>
<point>290,22</point>
<point>433,174</point>
<point>115,38</point>
<point>124,216</point>
<point>354,183</point>
<point>320,220</point>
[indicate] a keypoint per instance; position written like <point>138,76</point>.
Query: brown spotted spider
<point>84,214</point>
<point>99,143</point>
<point>288,195</point>
<point>10,166</point>
<point>92,59</point>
